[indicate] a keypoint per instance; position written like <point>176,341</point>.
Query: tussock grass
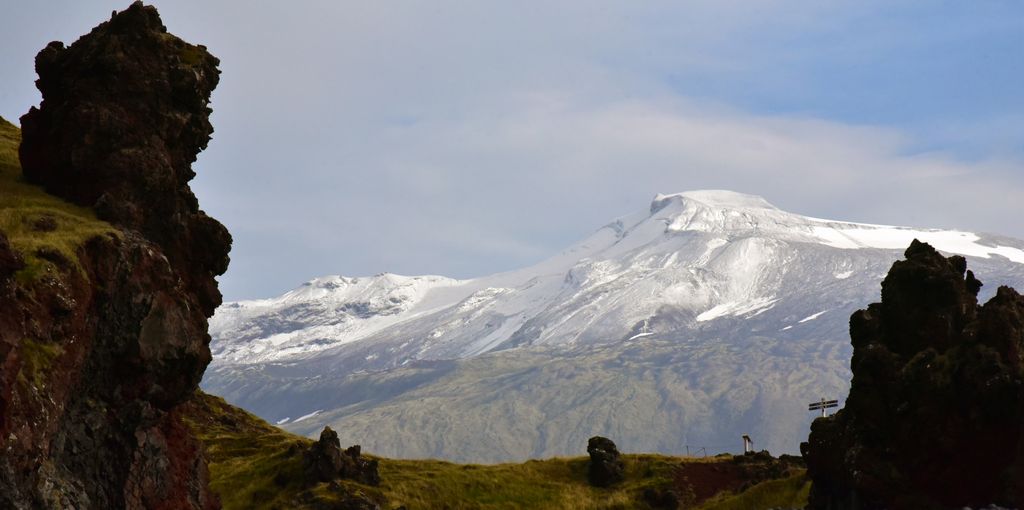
<point>789,492</point>
<point>23,206</point>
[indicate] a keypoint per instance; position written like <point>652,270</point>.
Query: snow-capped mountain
<point>709,315</point>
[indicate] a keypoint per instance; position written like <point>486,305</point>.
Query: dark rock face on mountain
<point>101,342</point>
<point>935,414</point>
<point>325,462</point>
<point>605,468</point>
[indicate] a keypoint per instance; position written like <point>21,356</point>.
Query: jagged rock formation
<point>935,414</point>
<point>606,466</point>
<point>325,462</point>
<point>101,340</point>
<point>124,114</point>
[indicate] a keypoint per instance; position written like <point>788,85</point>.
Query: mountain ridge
<point>724,214</point>
<point>685,316</point>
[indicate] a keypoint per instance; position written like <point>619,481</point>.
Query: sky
<point>467,138</point>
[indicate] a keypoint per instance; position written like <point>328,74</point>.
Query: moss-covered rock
<point>43,229</point>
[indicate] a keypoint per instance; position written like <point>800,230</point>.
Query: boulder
<point>326,462</point>
<point>605,468</point>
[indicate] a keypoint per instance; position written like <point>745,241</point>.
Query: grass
<point>23,207</point>
<point>192,55</point>
<point>37,358</point>
<point>550,483</point>
<point>252,464</point>
<point>255,465</point>
<point>789,492</point>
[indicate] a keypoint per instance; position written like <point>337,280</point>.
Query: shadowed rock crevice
<point>934,415</point>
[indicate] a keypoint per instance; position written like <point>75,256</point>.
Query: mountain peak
<point>723,211</point>
<point>715,199</point>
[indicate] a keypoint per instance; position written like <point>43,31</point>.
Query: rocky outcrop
<point>101,341</point>
<point>935,414</point>
<point>326,462</point>
<point>605,468</point>
<point>124,114</point>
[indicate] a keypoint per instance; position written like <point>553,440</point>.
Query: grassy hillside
<point>43,228</point>
<point>256,465</point>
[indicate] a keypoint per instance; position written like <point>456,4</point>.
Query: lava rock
<point>605,468</point>
<point>355,467</point>
<point>325,462</point>
<point>322,462</point>
<point>124,114</point>
<point>935,411</point>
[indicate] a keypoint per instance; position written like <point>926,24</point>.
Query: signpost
<point>823,405</point>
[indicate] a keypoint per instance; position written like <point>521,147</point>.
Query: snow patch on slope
<point>811,317</point>
<point>737,308</point>
<point>307,416</point>
<point>320,314</point>
<point>849,236</point>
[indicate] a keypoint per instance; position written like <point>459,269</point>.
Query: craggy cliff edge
<point>935,415</point>
<point>105,294</point>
